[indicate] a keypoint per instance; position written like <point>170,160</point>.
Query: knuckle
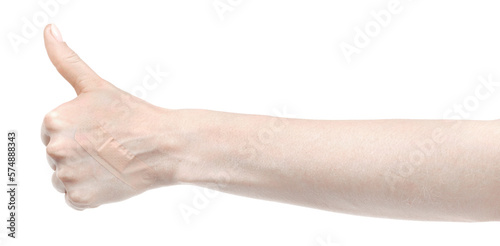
<point>58,185</point>
<point>72,58</point>
<point>65,176</point>
<point>50,119</point>
<point>56,151</point>
<point>52,163</point>
<point>69,58</point>
<point>53,121</point>
<point>80,198</point>
<point>53,151</point>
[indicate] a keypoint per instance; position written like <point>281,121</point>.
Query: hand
<point>134,125</point>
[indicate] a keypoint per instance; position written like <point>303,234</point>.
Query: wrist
<point>186,145</point>
<point>207,145</point>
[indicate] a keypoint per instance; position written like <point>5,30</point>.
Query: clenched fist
<point>105,145</point>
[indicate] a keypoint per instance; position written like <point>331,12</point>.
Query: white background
<point>265,57</point>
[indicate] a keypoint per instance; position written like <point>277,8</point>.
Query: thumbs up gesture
<point>105,145</point>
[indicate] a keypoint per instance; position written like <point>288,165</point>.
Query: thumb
<point>68,63</point>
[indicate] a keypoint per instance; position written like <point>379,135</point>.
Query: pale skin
<point>404,169</point>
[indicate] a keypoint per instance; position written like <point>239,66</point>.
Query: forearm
<point>411,169</point>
